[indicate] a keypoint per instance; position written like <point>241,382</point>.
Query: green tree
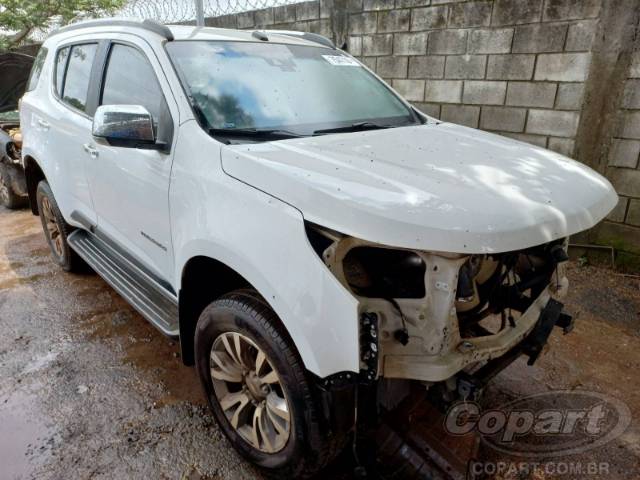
<point>19,18</point>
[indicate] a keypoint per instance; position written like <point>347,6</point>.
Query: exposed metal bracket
<point>369,346</point>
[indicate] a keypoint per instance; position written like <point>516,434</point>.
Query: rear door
<point>69,120</point>
<point>35,133</point>
<point>130,186</point>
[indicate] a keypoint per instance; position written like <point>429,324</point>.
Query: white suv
<point>316,243</point>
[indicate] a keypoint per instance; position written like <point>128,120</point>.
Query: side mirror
<point>125,126</point>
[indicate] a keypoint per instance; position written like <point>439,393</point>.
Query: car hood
<point>15,68</point>
<point>438,187</point>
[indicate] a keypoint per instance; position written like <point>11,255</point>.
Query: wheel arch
<point>33,175</point>
<point>203,280</point>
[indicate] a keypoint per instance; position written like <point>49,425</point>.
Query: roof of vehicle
<point>188,32</point>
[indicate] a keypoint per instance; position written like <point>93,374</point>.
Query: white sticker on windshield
<point>341,61</point>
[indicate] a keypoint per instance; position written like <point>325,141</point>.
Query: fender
<point>311,303</point>
<point>33,174</point>
<point>263,240</point>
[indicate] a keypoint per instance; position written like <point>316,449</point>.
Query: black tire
<point>308,450</point>
<point>8,196</point>
<point>63,255</point>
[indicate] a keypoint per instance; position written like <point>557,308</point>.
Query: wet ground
<point>89,390</point>
<point>601,355</point>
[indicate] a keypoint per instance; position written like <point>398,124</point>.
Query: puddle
<point>25,439</point>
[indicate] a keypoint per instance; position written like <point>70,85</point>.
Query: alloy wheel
<point>52,227</point>
<point>250,392</point>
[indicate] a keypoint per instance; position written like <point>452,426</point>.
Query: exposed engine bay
<point>13,188</point>
<point>428,316</point>
<point>10,142</point>
<point>439,326</point>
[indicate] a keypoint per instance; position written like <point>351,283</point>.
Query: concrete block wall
<point>623,161</point>
<point>512,67</point>
<point>540,71</point>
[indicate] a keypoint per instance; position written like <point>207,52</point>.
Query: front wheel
<point>258,389</point>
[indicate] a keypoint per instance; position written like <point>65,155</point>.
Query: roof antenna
<point>199,13</point>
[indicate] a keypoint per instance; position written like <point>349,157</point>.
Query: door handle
<point>92,151</point>
<point>43,124</point>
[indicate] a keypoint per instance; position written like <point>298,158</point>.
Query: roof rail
<point>311,37</point>
<point>149,25</point>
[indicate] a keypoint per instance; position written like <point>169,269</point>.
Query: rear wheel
<point>56,230</point>
<point>8,197</point>
<point>258,388</point>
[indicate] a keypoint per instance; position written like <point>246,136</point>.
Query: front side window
<point>130,80</point>
<point>78,73</point>
<point>36,70</point>
<point>301,89</point>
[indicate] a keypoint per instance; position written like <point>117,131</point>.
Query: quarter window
<point>78,74</point>
<point>36,70</point>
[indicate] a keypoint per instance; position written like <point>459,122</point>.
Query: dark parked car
<point>15,69</point>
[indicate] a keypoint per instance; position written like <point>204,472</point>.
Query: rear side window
<point>78,73</point>
<point>130,80</point>
<point>36,70</point>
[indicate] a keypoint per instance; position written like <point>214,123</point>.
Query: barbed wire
<point>171,11</point>
<point>179,11</point>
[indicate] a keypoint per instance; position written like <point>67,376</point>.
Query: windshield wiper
<point>254,132</point>
<point>354,127</point>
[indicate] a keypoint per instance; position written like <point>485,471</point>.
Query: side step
<point>144,294</point>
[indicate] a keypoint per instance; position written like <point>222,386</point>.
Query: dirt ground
<point>88,389</point>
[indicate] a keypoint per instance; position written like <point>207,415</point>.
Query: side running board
<point>146,295</point>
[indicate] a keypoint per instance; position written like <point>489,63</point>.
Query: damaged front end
<point>447,322</point>
<point>450,321</point>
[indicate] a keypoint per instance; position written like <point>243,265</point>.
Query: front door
<point>130,187</point>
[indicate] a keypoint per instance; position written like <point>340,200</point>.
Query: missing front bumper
<point>528,336</point>
<point>468,386</point>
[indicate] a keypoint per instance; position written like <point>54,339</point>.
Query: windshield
<point>290,88</point>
